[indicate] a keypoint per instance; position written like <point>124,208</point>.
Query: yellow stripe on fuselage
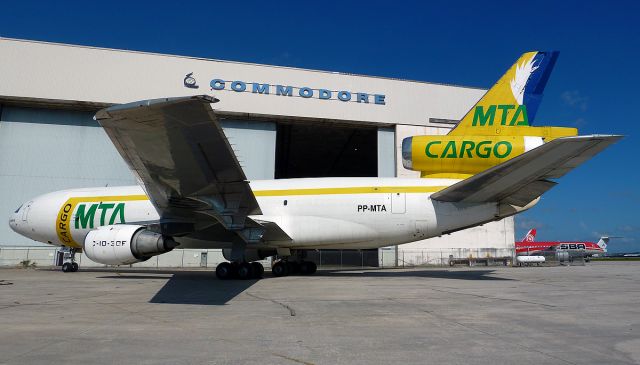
<point>63,221</point>
<point>353,190</point>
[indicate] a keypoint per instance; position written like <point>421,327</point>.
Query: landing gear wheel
<point>67,267</point>
<point>280,268</point>
<point>294,267</point>
<point>258,270</point>
<point>307,268</point>
<point>310,268</point>
<point>74,267</point>
<point>224,271</point>
<point>245,271</point>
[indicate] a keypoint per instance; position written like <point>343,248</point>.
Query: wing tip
<point>106,112</point>
<point>596,136</point>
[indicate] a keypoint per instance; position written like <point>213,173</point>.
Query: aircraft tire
<point>245,271</point>
<point>308,268</point>
<point>280,268</point>
<point>224,271</point>
<point>74,266</point>
<point>258,270</point>
<point>293,267</point>
<point>312,267</point>
<point>67,267</point>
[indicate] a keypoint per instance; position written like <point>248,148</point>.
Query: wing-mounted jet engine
<point>125,244</point>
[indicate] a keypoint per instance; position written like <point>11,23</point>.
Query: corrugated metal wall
<point>386,152</point>
<point>255,146</point>
<point>46,150</point>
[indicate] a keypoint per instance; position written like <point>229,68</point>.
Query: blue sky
<point>594,86</point>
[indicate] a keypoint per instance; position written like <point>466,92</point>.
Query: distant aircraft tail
<point>530,236</point>
<point>604,242</point>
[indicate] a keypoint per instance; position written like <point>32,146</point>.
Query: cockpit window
<point>17,210</point>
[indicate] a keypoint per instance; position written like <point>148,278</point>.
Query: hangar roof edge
<point>236,62</point>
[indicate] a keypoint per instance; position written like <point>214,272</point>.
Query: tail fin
<point>513,101</point>
<point>530,236</point>
<point>604,241</point>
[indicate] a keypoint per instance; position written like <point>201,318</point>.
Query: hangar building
<point>283,122</point>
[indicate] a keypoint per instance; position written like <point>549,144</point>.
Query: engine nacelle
<point>250,254</point>
<point>125,244</point>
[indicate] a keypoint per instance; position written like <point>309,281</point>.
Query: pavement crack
<point>487,333</point>
<point>527,348</point>
<point>292,311</point>
<point>292,359</point>
<point>494,298</point>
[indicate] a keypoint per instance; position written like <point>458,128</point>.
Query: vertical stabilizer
<point>603,243</point>
<point>530,236</point>
<point>513,101</point>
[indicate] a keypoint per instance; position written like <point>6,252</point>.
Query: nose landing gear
<point>69,264</point>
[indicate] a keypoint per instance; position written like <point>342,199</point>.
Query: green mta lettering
<point>470,149</point>
<point>511,114</point>
<point>86,214</point>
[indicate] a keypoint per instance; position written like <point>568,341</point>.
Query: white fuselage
<point>347,213</point>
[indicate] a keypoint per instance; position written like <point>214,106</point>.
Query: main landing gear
<point>69,263</point>
<point>284,268</point>
<point>255,270</point>
<point>240,270</point>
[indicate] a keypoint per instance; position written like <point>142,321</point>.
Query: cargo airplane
<point>193,193</point>
<point>529,246</point>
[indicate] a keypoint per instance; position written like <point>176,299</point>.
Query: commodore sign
<point>297,91</point>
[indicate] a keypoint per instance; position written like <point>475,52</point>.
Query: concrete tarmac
<point>539,315</point>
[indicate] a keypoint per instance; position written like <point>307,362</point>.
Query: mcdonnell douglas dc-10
<point>193,192</point>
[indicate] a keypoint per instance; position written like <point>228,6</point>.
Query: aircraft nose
<point>13,222</point>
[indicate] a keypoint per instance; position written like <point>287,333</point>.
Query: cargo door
<point>398,203</point>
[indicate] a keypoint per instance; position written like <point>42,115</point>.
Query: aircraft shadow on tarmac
<point>200,288</point>
<point>203,288</point>
<point>438,274</point>
<point>188,287</point>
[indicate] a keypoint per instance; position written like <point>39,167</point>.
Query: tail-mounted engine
<point>125,244</point>
<point>461,156</point>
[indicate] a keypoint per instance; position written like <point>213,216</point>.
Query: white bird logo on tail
<point>519,81</point>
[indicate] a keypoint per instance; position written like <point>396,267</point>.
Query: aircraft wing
<point>524,178</point>
<point>179,152</point>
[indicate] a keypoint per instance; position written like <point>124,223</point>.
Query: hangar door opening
<point>336,151</point>
<point>326,151</point>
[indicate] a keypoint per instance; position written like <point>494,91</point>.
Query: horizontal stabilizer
<point>524,178</point>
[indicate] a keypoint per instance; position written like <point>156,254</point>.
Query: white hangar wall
<point>84,75</point>
<point>48,140</point>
